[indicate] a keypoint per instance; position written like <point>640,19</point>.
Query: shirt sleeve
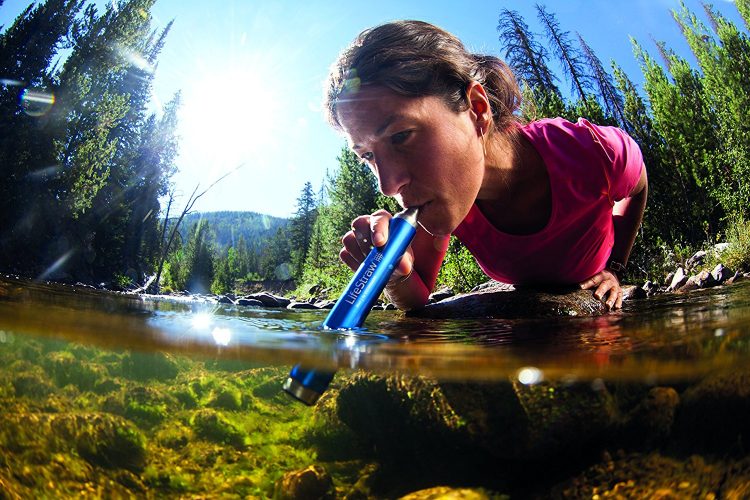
<point>623,159</point>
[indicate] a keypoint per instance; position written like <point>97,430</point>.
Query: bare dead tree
<point>153,287</point>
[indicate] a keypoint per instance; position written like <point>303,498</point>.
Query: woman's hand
<point>368,231</point>
<point>607,285</point>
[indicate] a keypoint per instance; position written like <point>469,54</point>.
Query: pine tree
<point>526,57</point>
<point>609,96</point>
<point>682,119</point>
<point>570,58</point>
<point>351,192</point>
<point>198,272</point>
<point>27,48</point>
<point>301,228</point>
<point>726,92</point>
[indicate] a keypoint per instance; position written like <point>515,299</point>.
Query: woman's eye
<point>400,137</point>
<point>367,156</point>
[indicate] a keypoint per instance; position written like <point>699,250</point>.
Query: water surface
<point>669,337</point>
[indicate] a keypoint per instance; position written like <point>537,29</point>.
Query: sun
<point>228,116</point>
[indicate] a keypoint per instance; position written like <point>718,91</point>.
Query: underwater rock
<point>226,397</point>
<point>100,438</point>
<point>714,415</point>
<point>448,493</point>
<point>400,414</point>
<point>266,383</point>
<point>32,385</point>
<point>65,368</point>
<point>147,405</point>
<point>213,426</point>
<point>311,483</point>
<point>149,366</point>
<point>650,422</point>
<point>106,440</point>
<point>505,301</point>
<point>646,476</point>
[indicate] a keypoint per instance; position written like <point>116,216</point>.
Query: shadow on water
<point>120,395</point>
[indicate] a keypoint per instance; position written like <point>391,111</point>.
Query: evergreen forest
<point>86,192</point>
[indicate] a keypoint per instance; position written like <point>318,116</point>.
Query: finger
<point>353,246</point>
<point>591,282</point>
<point>347,259</point>
<point>362,233</point>
<point>405,265</point>
<point>618,303</point>
<point>379,227</point>
<point>603,289</point>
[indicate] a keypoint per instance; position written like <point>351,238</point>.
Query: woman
<point>551,202</point>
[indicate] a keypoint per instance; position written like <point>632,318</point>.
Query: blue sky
<point>251,74</point>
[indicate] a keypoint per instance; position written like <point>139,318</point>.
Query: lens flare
<point>530,375</point>
<point>222,336</point>
<point>36,102</point>
<point>201,320</point>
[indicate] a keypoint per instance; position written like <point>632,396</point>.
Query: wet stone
<point>311,483</point>
<point>499,300</point>
<point>714,414</point>
<point>448,493</point>
<point>401,415</point>
<point>269,300</point>
<point>646,476</point>
<point>301,305</point>
<point>250,303</point>
<point>679,278</point>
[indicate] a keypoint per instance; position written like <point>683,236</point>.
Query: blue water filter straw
<point>350,311</point>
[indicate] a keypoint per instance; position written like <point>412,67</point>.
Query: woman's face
<point>422,152</point>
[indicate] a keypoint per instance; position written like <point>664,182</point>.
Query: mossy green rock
<point>149,366</point>
<point>226,397</point>
<point>411,415</point>
<point>102,439</point>
<point>32,385</point>
<point>65,368</point>
<point>213,426</point>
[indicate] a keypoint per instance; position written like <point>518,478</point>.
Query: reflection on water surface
<point>664,338</point>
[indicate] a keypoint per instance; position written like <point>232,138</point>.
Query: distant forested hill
<point>227,227</point>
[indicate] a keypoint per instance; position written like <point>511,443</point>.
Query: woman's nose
<point>392,177</point>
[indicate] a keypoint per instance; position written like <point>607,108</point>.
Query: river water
<point>198,385</point>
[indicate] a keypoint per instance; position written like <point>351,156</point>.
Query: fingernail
<point>378,239</point>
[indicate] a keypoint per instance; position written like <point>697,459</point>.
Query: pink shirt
<point>590,167</point>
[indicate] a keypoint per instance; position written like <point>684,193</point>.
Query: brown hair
<point>417,59</point>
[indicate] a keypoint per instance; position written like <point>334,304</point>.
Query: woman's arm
<point>416,272</point>
<point>627,216</point>
<point>412,290</point>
